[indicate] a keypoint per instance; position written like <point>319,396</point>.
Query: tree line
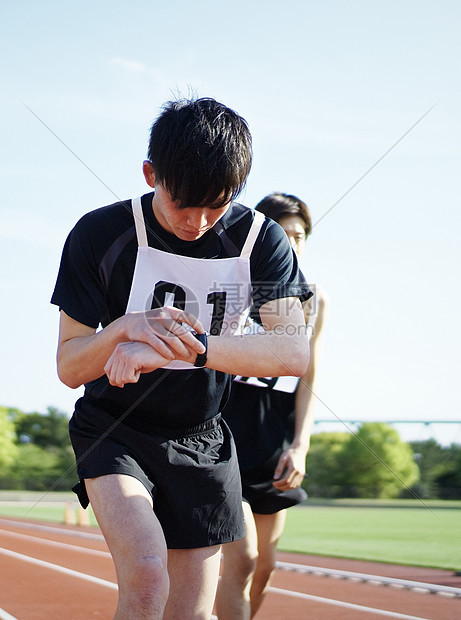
<point>35,451</point>
<point>374,462</point>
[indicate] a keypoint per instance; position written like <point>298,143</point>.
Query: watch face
<point>200,361</point>
<point>201,357</point>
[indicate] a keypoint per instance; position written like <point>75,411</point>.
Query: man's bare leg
<point>238,565</point>
<point>193,577</point>
<point>123,508</point>
<point>269,528</point>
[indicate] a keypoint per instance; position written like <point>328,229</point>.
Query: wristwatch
<point>201,357</point>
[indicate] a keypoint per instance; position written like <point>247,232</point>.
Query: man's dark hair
<point>200,151</point>
<point>277,205</point>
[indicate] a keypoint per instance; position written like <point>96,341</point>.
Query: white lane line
<point>49,528</point>
<point>53,543</point>
<point>419,586</point>
<point>59,569</point>
<point>329,601</point>
<point>4,615</point>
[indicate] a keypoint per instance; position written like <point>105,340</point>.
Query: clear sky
<point>327,89</point>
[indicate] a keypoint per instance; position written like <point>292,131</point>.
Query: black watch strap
<point>201,357</point>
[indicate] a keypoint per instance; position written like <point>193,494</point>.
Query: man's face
<point>188,223</point>
<point>293,225</point>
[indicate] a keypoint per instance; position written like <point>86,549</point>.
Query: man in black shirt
<point>153,294</point>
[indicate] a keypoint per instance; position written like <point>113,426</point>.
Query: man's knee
<point>147,579</point>
<point>265,567</point>
<point>243,564</point>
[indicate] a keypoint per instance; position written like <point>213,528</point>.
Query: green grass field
<point>35,505</point>
<point>402,532</point>
<point>408,534</point>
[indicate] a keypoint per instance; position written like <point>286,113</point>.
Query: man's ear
<point>149,173</point>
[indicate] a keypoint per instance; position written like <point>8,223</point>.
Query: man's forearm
<point>262,355</point>
<point>82,358</point>
<point>304,414</point>
<point>83,353</point>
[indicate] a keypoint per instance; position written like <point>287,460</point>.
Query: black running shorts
<point>192,475</point>
<point>259,492</point>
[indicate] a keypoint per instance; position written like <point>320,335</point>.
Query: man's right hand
<point>167,330</point>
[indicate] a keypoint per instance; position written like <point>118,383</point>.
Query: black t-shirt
<point>93,287</point>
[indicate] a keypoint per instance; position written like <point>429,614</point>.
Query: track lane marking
<point>59,569</point>
<point>49,528</point>
<point>336,603</point>
<point>52,543</point>
<point>4,615</point>
<point>419,586</point>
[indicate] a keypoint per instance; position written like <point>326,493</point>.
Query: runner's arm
<point>282,350</point>
<point>291,468</point>
<point>83,352</point>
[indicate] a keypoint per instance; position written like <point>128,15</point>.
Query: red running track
<point>54,572</point>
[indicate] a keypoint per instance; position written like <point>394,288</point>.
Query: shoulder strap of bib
<point>230,247</point>
<point>252,234</point>
<point>139,221</point>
